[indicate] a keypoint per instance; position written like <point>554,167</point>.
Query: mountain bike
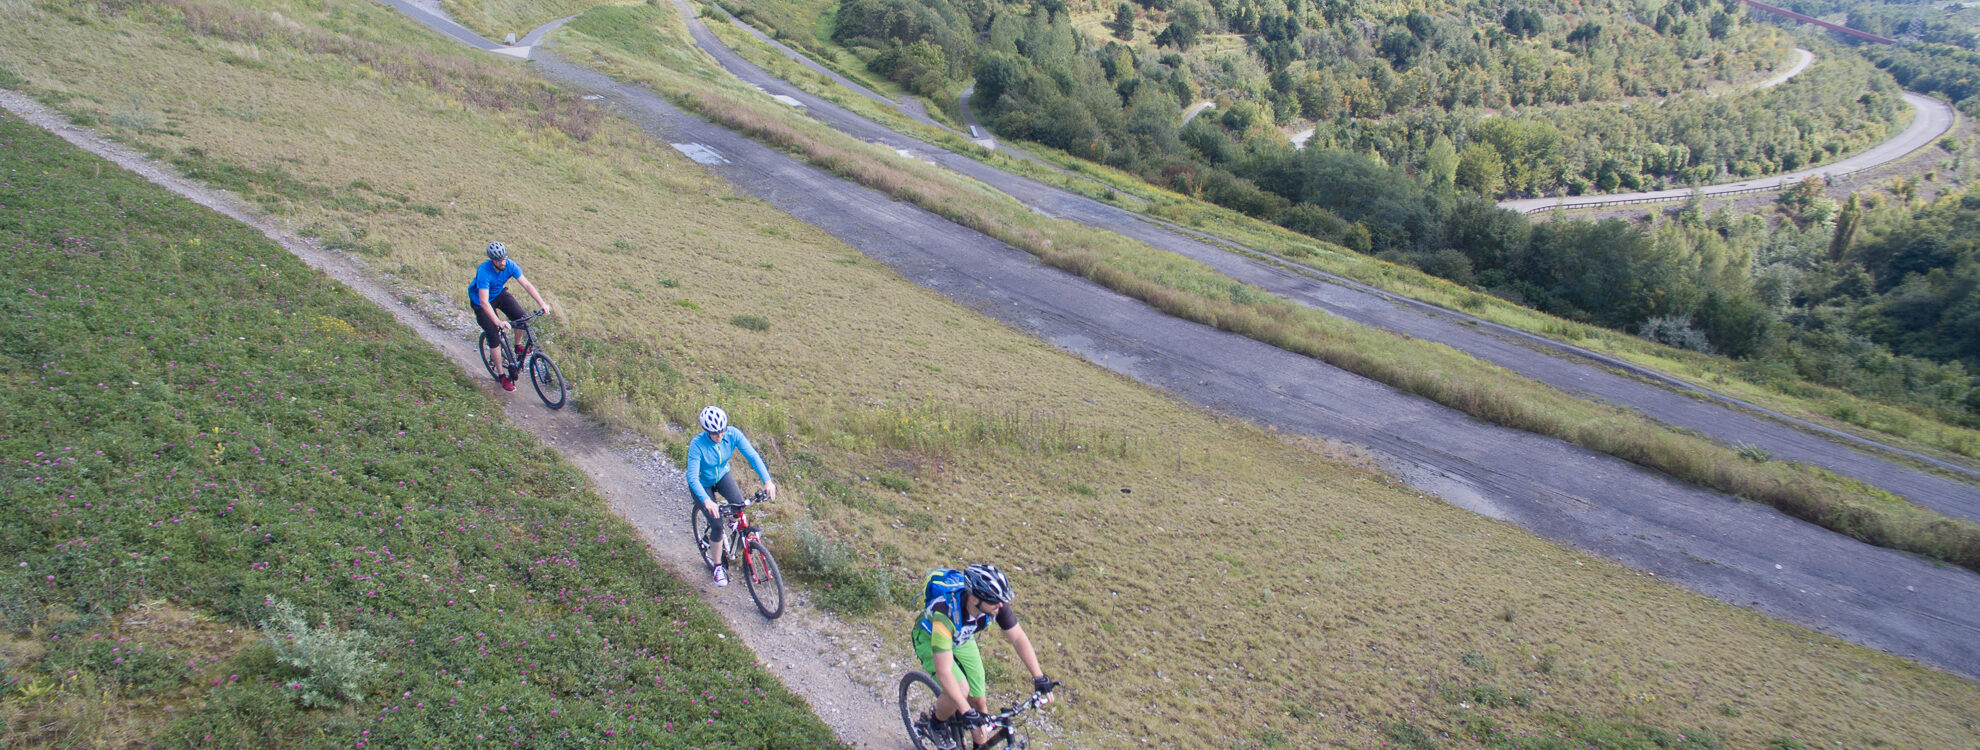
<point>919,692</point>
<point>524,357</point>
<point>740,539</point>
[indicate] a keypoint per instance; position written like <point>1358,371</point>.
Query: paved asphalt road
<point>1736,551</point>
<point>1933,119</point>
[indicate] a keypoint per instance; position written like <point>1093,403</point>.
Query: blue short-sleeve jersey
<point>486,277</point>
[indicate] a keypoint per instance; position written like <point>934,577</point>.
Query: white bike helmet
<point>987,583</point>
<point>497,251</point>
<point>713,419</point>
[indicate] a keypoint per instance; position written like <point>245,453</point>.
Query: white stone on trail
<point>701,154</point>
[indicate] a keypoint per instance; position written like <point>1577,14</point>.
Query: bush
<point>842,582</point>
<point>334,665</point>
<point>1675,330</point>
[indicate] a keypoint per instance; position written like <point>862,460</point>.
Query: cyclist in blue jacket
<point>708,469</point>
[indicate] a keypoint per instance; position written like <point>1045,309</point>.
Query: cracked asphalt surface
<point>1736,551</point>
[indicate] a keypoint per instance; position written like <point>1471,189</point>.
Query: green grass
<point>194,418</point>
<point>1362,611</point>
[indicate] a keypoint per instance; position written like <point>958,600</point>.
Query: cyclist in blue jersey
<point>960,604</point>
<point>488,293</point>
<point>708,470</point>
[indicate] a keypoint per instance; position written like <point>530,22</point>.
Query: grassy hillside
<point>915,433</point>
<point>246,509</point>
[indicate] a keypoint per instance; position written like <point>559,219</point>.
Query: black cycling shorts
<point>505,302</point>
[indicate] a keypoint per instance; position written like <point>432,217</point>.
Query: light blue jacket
<point>708,462</point>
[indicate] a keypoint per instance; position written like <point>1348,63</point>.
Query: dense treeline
<point>1923,23</point>
<point>1402,160</point>
<point>1590,94</point>
<point>1950,73</point>
<point>1919,287</point>
<point>1954,24</point>
<point>1941,58</point>
<point>1829,110</point>
<point>1878,299</point>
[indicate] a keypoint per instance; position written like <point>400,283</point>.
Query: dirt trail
<point>835,666</point>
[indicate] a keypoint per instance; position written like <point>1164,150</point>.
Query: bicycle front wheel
<point>495,367</point>
<point>919,693</point>
<point>549,381</point>
<point>765,581</point>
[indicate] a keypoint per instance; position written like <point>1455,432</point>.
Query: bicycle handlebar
<point>1004,719</point>
<point>760,497</point>
<point>526,318</point>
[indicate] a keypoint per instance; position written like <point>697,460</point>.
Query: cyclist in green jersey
<point>960,604</point>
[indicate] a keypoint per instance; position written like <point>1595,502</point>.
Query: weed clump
<point>841,581</point>
<point>330,665</point>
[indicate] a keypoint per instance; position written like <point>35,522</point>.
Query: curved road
<point>1804,59</point>
<point>1735,551</point>
<point>1934,118</point>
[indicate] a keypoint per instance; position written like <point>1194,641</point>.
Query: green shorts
<point>968,659</point>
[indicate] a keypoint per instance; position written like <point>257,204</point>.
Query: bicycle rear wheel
<point>765,581</point>
<point>548,380</point>
<point>495,367</point>
<point>918,695</point>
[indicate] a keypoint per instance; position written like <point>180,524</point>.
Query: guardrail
<point>1572,204</point>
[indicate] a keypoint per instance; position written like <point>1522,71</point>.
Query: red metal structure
<point>1864,35</point>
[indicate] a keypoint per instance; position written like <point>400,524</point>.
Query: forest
<point>1424,118</point>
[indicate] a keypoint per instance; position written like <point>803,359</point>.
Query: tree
<point>1846,224</point>
<point>1123,23</point>
<point>1523,22</point>
<point>1479,169</point>
<point>1531,149</point>
<point>1440,164</point>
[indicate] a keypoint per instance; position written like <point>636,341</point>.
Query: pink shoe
<point>507,384</point>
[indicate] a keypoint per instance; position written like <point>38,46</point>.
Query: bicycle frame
<point>740,532</point>
<point>520,335</point>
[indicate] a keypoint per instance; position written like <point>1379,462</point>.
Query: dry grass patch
<point>118,687</point>
<point>495,19</point>
<point>1196,581</point>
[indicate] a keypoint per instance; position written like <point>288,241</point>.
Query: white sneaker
<point>721,575</point>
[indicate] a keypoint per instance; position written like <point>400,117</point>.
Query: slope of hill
<point>920,433</point>
<point>249,510</point>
